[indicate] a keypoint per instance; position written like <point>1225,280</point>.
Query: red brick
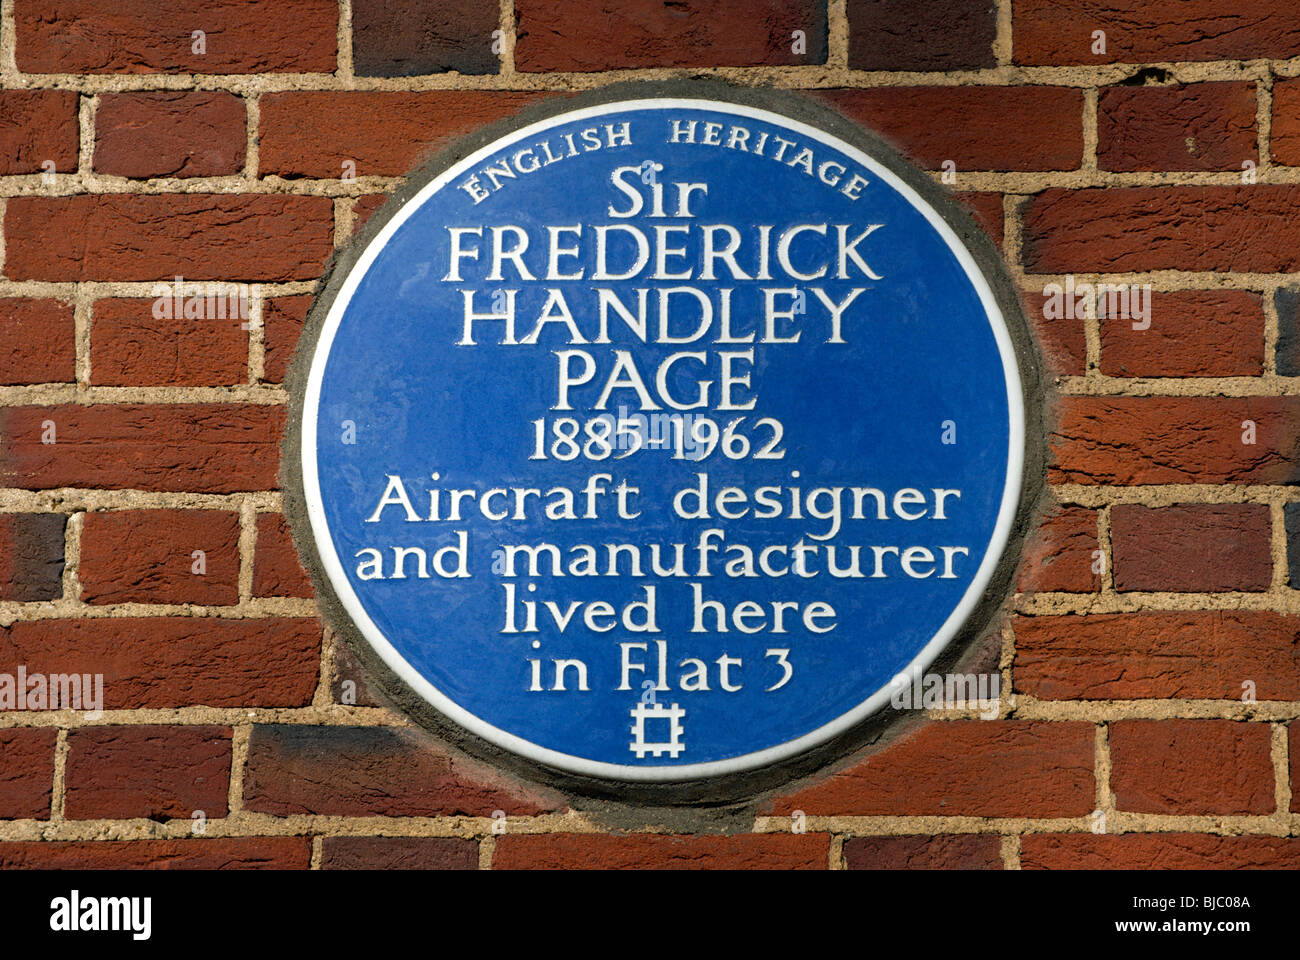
<point>1192,333</point>
<point>363,207</point>
<point>398,853</point>
<point>277,571</point>
<point>1145,440</point>
<point>1191,767</point>
<point>987,210</point>
<point>1284,132</point>
<point>197,236</point>
<point>143,36</point>
<point>146,556</point>
<point>590,35</point>
<point>1194,654</point>
<point>315,133</point>
<point>129,347</point>
<point>158,772</point>
<point>37,126</point>
<point>1156,851</point>
<point>170,133</point>
<point>371,771</point>
<point>921,34</point>
<point>1061,340</point>
<point>247,853</point>
<point>37,342</point>
<point>1202,126</point>
<point>966,851</point>
<point>1131,229</point>
<point>982,768</point>
<point>1049,32</point>
<point>407,38</point>
<point>196,447</point>
<point>282,321</point>
<point>1059,556</point>
<point>166,662</point>
<point>26,772</point>
<point>31,556</point>
<point>645,851</point>
<point>1194,548</point>
<point>977,128</point>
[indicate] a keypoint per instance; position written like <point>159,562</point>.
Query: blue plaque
<point>652,439</point>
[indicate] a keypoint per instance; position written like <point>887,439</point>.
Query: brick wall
<point>1154,646</point>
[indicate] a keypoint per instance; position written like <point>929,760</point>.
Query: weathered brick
<point>282,321</point>
<point>1201,126</point>
<point>1061,339</point>
<point>1145,440</point>
<point>1192,333</point>
<point>1156,851</point>
<point>921,34</point>
<point>1293,749</point>
<point>977,128</point>
<point>1286,301</point>
<point>1051,32</point>
<point>26,772</point>
<point>166,662</point>
<point>317,133</point>
<point>1291,524</point>
<point>966,851</point>
<point>982,656</point>
<point>589,35</point>
<point>276,569</point>
<point>218,853</point>
<point>130,347</point>
<point>142,36</point>
<point>407,38</point>
<point>1193,654</point>
<point>150,237</point>
<point>1059,555</point>
<point>31,556</point>
<point>1197,548</point>
<point>37,342</point>
<point>170,133</point>
<point>1131,229</point>
<point>38,127</point>
<point>348,685</point>
<point>980,768</point>
<point>198,447</point>
<point>149,556</point>
<point>371,771</point>
<point>398,853</point>
<point>644,851</point>
<point>1191,767</point>
<point>158,772</point>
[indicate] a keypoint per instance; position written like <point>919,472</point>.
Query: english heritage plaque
<point>652,438</point>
